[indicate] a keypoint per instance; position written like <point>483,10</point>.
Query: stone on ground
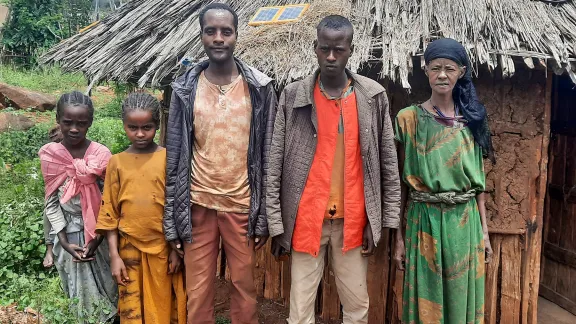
<point>14,122</point>
<point>20,98</point>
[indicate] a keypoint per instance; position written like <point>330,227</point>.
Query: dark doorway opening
<point>558,272</point>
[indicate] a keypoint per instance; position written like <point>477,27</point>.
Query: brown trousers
<point>200,257</point>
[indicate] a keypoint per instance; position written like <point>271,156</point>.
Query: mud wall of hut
<point>519,111</point>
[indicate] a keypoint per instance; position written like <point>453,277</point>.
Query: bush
<point>109,132</point>
<point>114,107</point>
<point>44,294</point>
<point>34,25</point>
<point>22,146</point>
<point>21,204</point>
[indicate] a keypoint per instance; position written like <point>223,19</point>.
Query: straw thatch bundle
<point>145,40</point>
<point>289,53</point>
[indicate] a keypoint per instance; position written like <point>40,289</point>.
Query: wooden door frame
<point>551,251</point>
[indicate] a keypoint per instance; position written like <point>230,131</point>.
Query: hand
<point>487,248</point>
<point>92,246</point>
<point>368,241</point>
<point>260,241</point>
<point>119,272</point>
<point>49,257</point>
<point>176,245</point>
<point>75,251</point>
<point>174,262</point>
<point>277,250</point>
<point>399,251</point>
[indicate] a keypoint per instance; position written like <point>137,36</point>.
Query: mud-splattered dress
<point>133,203</point>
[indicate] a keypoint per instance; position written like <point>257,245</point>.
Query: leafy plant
<point>114,107</point>
<point>44,294</point>
<point>21,204</point>
<point>109,132</point>
<point>21,146</point>
<point>38,24</point>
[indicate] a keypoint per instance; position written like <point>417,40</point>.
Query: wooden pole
<point>166,96</point>
<point>531,278</point>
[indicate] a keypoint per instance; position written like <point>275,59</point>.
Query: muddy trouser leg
<point>350,270</point>
<point>200,265</point>
<point>240,258</point>
<point>306,272</point>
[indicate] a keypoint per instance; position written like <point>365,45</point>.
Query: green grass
<point>50,80</point>
<point>222,320</point>
<point>22,279</point>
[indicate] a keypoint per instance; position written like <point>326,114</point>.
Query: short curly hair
<point>217,6</point>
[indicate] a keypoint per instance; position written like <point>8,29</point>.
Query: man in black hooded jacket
<point>219,131</point>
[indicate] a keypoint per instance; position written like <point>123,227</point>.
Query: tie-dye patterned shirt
<point>221,135</point>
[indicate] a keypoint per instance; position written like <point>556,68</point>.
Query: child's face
<point>74,124</point>
<point>140,128</point>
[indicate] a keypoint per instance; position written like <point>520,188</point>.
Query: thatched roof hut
<point>145,41</point>
<point>514,44</point>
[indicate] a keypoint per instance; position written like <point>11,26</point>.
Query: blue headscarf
<point>464,93</point>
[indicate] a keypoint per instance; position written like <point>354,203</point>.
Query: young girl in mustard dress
<point>151,286</point>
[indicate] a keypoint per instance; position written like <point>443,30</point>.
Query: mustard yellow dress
<point>133,203</point>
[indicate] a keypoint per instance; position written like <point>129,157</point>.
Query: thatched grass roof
<point>145,41</point>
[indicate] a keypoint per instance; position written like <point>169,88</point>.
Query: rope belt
<point>449,198</point>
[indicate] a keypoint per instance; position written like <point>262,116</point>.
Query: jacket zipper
<point>251,92</point>
<point>191,143</point>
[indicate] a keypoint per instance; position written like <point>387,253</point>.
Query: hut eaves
<point>145,41</point>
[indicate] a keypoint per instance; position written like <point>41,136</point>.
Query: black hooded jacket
<point>179,144</point>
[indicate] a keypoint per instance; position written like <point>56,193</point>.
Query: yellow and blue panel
<point>278,15</point>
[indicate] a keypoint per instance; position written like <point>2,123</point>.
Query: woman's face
<point>443,75</point>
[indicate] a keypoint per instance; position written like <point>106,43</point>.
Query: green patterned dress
<point>444,279</point>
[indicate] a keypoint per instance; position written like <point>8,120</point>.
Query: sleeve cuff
<point>59,226</point>
<point>107,226</point>
<point>391,224</point>
<point>275,232</point>
<point>171,237</point>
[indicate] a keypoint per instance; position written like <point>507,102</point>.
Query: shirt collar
<point>345,92</point>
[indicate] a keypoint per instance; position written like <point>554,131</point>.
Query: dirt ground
<point>269,312</point>
<point>9,315</point>
<point>550,313</point>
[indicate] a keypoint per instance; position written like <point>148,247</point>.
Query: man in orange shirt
<point>333,176</point>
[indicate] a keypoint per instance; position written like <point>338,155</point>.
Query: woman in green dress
<point>442,143</point>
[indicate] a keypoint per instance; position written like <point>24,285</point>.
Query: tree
<point>33,25</point>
